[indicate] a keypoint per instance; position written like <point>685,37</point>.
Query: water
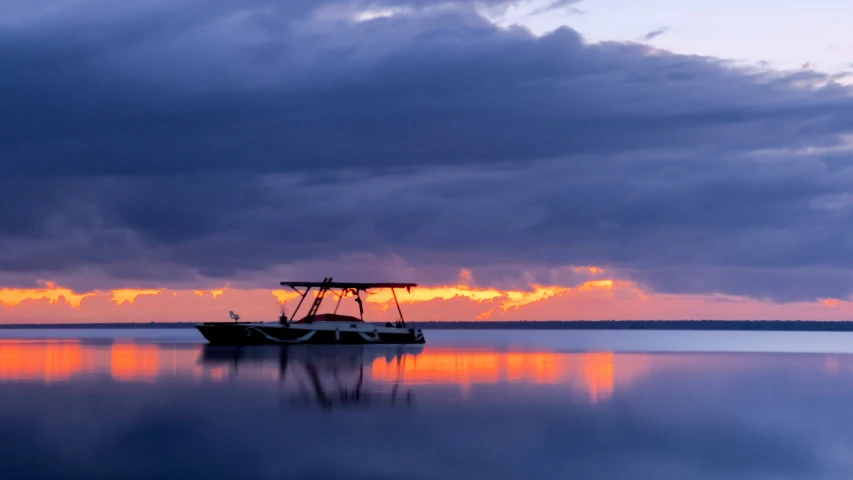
<point>468,405</point>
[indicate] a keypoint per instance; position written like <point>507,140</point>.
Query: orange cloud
<point>214,293</point>
<point>12,297</point>
<point>539,293</point>
<point>51,292</point>
<point>507,298</point>
<point>284,296</point>
<point>127,295</point>
<point>425,294</point>
<point>588,270</point>
<point>831,302</point>
<point>595,299</point>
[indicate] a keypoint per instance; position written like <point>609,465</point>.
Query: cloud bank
<point>171,144</point>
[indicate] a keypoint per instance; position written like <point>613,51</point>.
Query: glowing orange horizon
<point>50,292</point>
<point>599,297</point>
<point>129,295</point>
<point>509,298</point>
<point>831,302</point>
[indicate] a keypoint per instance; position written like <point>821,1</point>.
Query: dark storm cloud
<point>263,90</point>
<point>160,141</point>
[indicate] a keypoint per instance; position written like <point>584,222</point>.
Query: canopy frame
<point>354,287</point>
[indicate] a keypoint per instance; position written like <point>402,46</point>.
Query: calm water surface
<point>469,405</point>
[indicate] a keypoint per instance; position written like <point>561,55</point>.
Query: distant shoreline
<point>704,325</point>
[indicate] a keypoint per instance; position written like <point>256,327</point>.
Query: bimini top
<point>357,286</point>
<point>354,288</point>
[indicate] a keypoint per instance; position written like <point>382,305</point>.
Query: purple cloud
<point>162,142</point>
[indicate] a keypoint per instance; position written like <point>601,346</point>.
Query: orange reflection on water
<point>134,362</point>
<point>21,360</point>
<point>599,375</point>
<point>533,367</point>
<point>595,373</point>
<point>832,364</point>
<point>439,366</point>
<point>60,360</point>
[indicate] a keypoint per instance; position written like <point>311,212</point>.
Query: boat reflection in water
<point>348,375</point>
<point>328,376</point>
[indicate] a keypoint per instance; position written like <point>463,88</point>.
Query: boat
<point>314,328</point>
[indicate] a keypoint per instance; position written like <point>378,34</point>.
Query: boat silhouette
<point>316,328</point>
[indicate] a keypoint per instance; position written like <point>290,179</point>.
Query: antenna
<point>233,316</point>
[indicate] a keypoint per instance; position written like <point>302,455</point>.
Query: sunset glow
<point>589,270</point>
<point>831,302</point>
<point>426,294</point>
<point>10,296</point>
<point>502,239</point>
<point>507,298</point>
<point>594,299</point>
<point>284,296</point>
<point>126,295</point>
<point>214,293</point>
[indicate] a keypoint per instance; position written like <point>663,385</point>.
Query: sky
<point>173,160</point>
<point>782,35</point>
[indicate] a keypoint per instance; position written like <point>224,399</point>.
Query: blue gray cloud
<point>655,33</point>
<point>166,142</point>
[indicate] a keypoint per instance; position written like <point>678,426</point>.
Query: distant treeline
<point>101,325</point>
<point>760,325</point>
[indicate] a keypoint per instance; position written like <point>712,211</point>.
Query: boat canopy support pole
<point>340,297</point>
<point>399,310</point>
<point>302,295</point>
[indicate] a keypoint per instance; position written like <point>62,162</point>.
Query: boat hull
<point>222,333</point>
